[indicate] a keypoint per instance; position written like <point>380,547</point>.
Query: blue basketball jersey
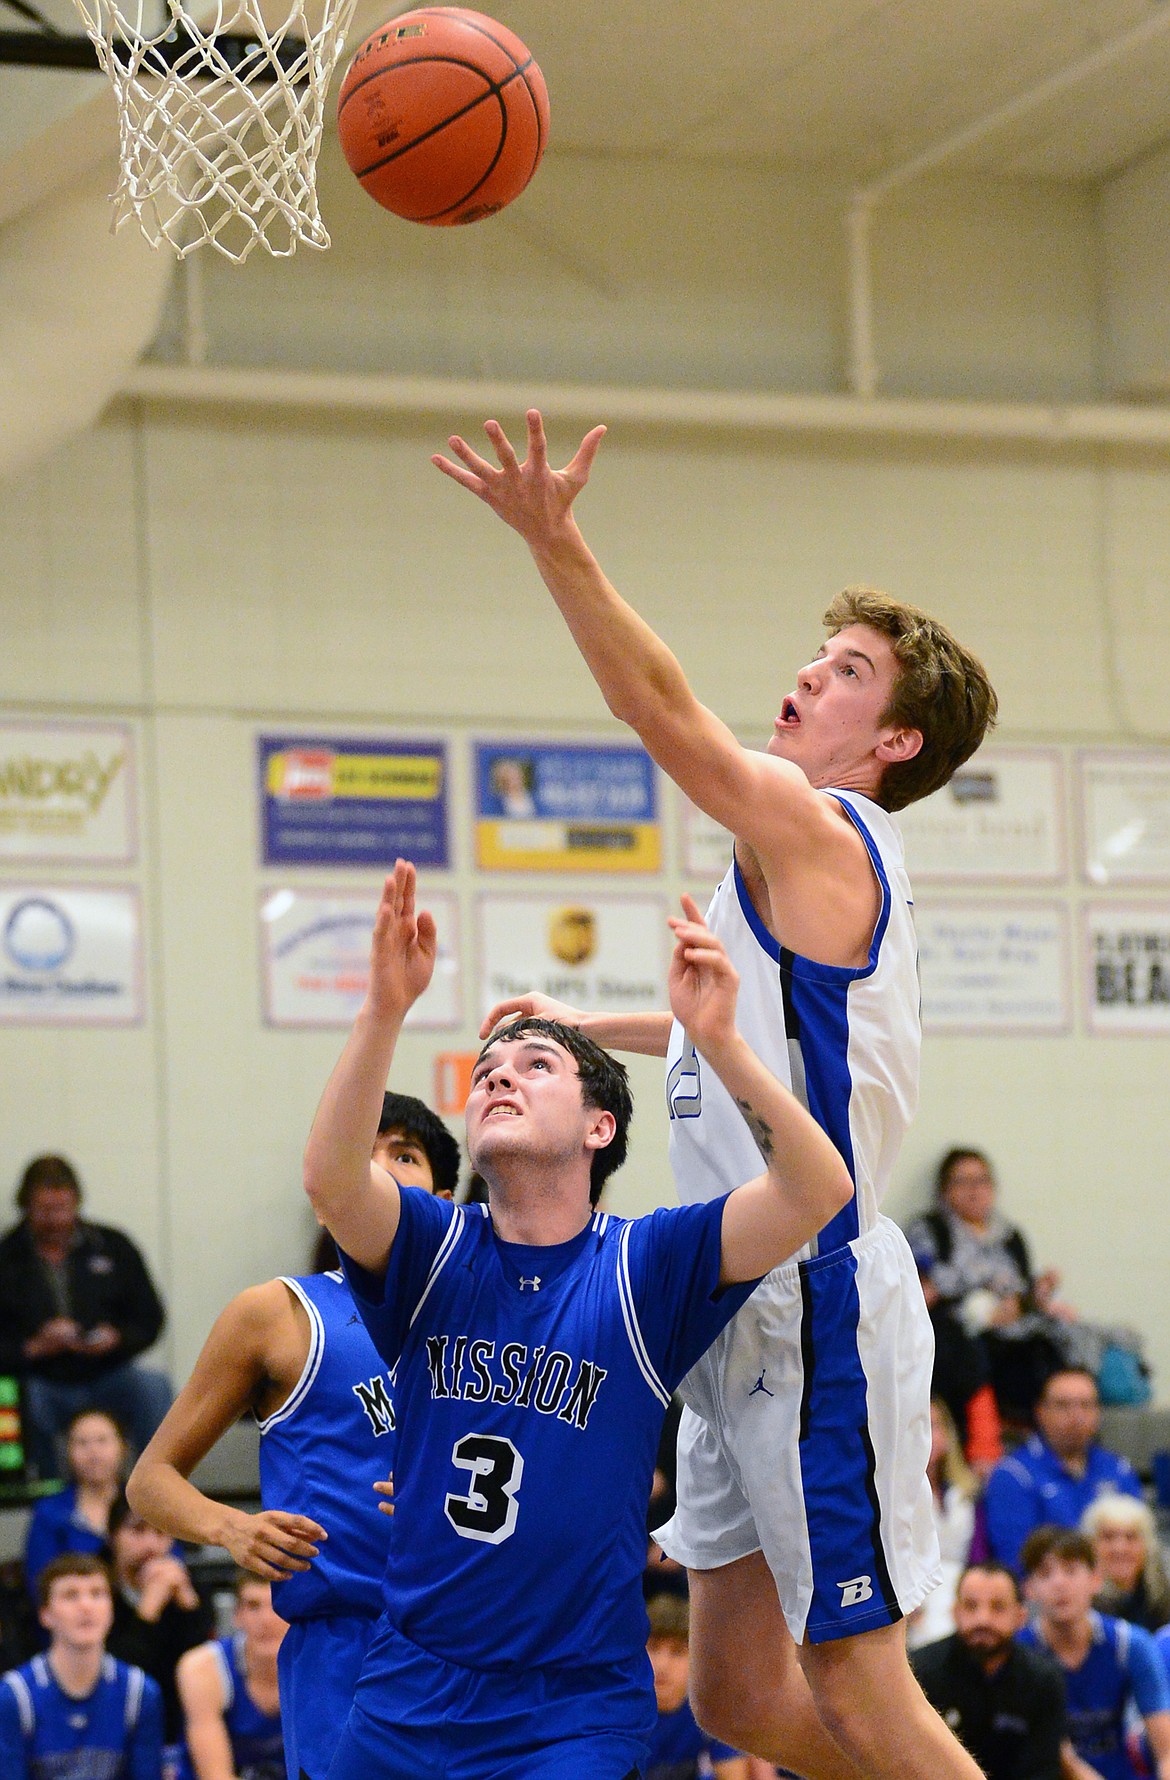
<point>256,1738</point>
<point>530,1385</point>
<point>116,1733</point>
<point>322,1452</point>
<point>1121,1673</point>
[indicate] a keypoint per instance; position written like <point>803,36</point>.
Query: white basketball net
<point>215,153</point>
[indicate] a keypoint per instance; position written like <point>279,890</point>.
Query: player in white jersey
<point>803,1511</point>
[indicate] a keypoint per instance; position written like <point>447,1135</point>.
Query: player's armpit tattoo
<point>759,1128</point>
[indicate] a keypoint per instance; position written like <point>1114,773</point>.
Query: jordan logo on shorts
<point>858,1589</point>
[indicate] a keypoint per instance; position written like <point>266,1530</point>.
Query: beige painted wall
<point>206,576</point>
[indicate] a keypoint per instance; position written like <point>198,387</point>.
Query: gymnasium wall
<point>206,574</point>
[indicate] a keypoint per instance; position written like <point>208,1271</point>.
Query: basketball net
<point>218,145</point>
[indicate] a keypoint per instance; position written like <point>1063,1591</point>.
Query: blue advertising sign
<point>352,800</point>
<point>566,807</point>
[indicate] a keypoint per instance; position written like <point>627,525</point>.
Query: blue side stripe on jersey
<point>817,1017</point>
<point>24,1702</point>
<point>837,1461</point>
<point>630,1318</point>
<point>312,1364</point>
<point>454,1231</point>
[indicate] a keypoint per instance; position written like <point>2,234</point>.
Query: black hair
<point>990,1567</point>
<point>324,1258</point>
<point>414,1118</point>
<point>951,1160</point>
<point>604,1084</point>
<point>120,1513</point>
<point>46,1171</point>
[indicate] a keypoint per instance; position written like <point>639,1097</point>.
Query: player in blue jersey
<point>535,1342</point>
<point>1112,1670</point>
<point>74,1713</point>
<point>295,1353</point>
<point>803,1510</point>
<point>231,1694</point>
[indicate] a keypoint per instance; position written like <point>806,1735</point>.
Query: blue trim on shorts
<point>852,1588</point>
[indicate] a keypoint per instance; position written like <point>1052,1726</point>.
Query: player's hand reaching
<point>402,957</point>
<point>534,1003</point>
<point>272,1544</point>
<point>532,498</point>
<point>702,980</point>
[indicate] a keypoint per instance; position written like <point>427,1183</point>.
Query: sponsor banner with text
<point>70,956</point>
<point>352,800</point>
<point>591,951</point>
<point>566,807</point>
<point>315,957</point>
<point>67,793</point>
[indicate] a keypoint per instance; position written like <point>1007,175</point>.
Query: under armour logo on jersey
<point>530,1285</point>
<point>856,1590</point>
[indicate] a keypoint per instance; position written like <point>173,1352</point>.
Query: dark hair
<point>670,1617</point>
<point>989,1567</point>
<point>80,1415</point>
<point>951,1161</point>
<point>324,1258</point>
<point>604,1084</point>
<point>245,1578</point>
<point>120,1513</point>
<point>46,1171</point>
<point>1065,1543</point>
<point>414,1118</point>
<point>69,1563</point>
<point>1063,1371</point>
<point>941,689</point>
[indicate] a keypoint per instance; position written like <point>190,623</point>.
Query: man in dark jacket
<point>77,1306</point>
<point>1004,1702</point>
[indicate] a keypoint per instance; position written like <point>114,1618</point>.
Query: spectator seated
<point>1058,1472</point>
<point>679,1750</point>
<point>77,1306</point>
<point>1134,1582</point>
<point>77,1519</point>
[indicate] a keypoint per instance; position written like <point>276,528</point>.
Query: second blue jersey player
<point>296,1354</point>
<point>535,1342</point>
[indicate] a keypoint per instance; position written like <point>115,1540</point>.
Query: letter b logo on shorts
<point>858,1589</point>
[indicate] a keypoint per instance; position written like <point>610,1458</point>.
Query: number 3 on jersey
<point>488,1511</point>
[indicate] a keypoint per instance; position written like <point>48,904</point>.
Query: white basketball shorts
<point>806,1436</point>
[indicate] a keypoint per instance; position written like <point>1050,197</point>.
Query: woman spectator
<point>976,1268</point>
<point>78,1518</point>
<point>954,1493</point>
<point>1125,1538</point>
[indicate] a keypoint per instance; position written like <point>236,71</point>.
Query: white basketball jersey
<point>845,1040</point>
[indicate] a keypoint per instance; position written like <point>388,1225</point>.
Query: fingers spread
<point>502,443</point>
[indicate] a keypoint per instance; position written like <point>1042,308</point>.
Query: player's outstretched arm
<point>768,802</point>
<point>235,1365</point>
<point>357,1200</point>
<point>805,1181</point>
<point>647,1034</point>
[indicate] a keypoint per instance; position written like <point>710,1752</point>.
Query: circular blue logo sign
<point>38,934</point>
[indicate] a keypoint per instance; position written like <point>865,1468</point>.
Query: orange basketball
<point>443,115</point>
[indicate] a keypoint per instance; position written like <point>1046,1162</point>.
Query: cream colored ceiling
<point>851,88</point>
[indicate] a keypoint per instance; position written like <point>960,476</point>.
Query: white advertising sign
<point>315,954</point>
<point>706,844</point>
<point>67,793</point>
<point>1125,817</point>
<point>1128,959</point>
<point>1001,816</point>
<point>70,957</point>
<point>993,967</point>
<point>591,951</point>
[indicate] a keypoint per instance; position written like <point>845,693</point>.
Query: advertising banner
<point>994,967</point>
<point>1128,958</point>
<point>1000,817</point>
<point>352,800</point>
<point>1125,816</point>
<point>566,807</point>
<point>67,793</point>
<point>592,951</point>
<point>70,956</point>
<point>315,957</point>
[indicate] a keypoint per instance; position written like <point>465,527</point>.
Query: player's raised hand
<point>534,1003</point>
<point>402,956</point>
<point>702,980</point>
<point>531,497</point>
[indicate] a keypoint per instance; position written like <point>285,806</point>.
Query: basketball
<point>443,115</point>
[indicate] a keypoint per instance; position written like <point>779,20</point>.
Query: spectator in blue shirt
<point>1111,1669</point>
<point>1053,1477</point>
<point>78,1519</point>
<point>679,1750</point>
<point>74,1713</point>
